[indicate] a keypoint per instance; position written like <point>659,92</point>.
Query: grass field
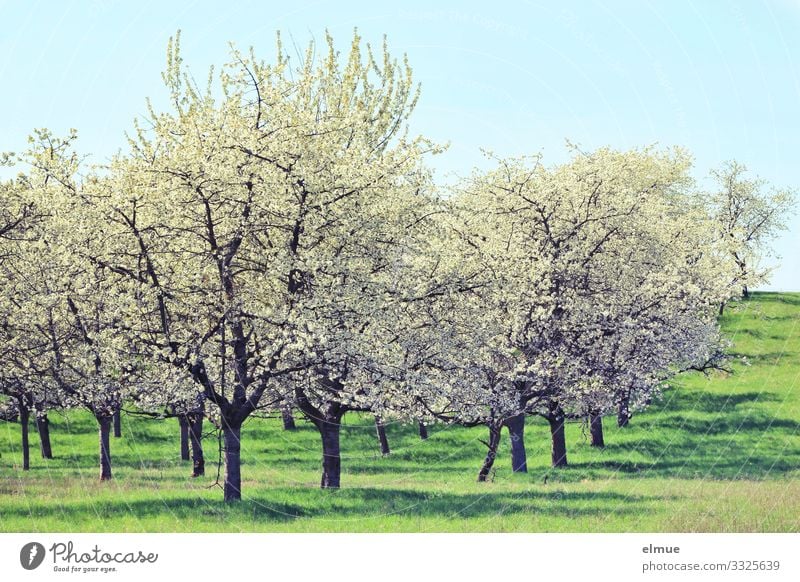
<point>718,454</point>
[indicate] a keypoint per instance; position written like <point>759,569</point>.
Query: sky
<point>718,77</point>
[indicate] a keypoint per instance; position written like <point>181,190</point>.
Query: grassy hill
<point>718,454</point>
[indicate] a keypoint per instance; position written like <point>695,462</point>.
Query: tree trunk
<point>381,430</point>
<point>233,462</point>
<point>24,418</point>
<point>623,413</point>
<point>196,434</point>
<point>423,431</point>
<point>184,424</point>
<point>745,292</point>
<point>117,425</point>
<point>516,432</point>
<point>331,455</point>
<point>105,423</point>
<point>491,454</point>
<point>288,419</point>
<point>43,428</point>
<point>559,450</point>
<point>596,430</point>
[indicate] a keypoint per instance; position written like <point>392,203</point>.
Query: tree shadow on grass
<point>755,333</point>
<point>446,450</point>
<point>768,358</point>
<point>381,467</point>
<point>729,447</point>
<point>669,466</point>
<point>754,423</point>
<point>706,402</point>
<point>767,297</point>
<point>281,505</point>
<point>698,434</point>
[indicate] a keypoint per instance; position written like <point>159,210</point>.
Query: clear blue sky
<point>719,77</point>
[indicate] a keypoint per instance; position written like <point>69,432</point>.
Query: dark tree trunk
<point>196,434</point>
<point>491,453</point>
<point>596,430</point>
<point>105,423</point>
<point>183,421</point>
<point>117,425</point>
<point>331,455</point>
<point>745,292</point>
<point>24,418</point>
<point>288,419</point>
<point>43,428</point>
<point>380,428</point>
<point>516,432</point>
<point>559,449</point>
<point>328,420</point>
<point>233,462</point>
<point>423,431</point>
<point>721,309</point>
<point>623,413</point>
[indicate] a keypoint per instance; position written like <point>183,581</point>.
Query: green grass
<point>719,454</point>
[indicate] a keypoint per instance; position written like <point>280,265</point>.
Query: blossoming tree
<point>591,259</point>
<point>260,233</point>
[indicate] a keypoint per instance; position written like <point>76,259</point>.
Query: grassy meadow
<point>717,454</point>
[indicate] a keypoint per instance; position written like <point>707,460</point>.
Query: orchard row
<point>275,242</point>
